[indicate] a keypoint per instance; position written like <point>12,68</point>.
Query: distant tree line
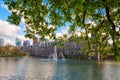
<point>12,51</point>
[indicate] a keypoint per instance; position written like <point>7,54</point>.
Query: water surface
<point>45,69</point>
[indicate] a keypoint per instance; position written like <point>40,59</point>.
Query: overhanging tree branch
<point>107,9</point>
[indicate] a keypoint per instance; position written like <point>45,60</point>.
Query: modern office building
<point>26,43</point>
<point>1,42</point>
<point>18,42</point>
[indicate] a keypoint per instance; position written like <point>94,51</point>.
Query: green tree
<point>2,51</point>
<point>39,14</point>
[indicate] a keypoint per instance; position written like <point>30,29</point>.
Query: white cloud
<point>4,6</point>
<point>110,41</point>
<point>22,38</point>
<point>22,20</point>
<point>7,29</point>
<point>59,34</point>
<point>8,32</point>
<point>63,31</point>
<point>78,33</point>
<point>89,35</point>
<point>51,26</point>
<point>91,24</point>
<point>8,40</point>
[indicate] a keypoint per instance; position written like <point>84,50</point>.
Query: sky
<point>9,31</point>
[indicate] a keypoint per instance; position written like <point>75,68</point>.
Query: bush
<point>12,51</point>
<point>118,58</point>
<point>17,52</point>
<point>2,50</point>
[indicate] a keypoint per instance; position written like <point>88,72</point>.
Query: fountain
<point>61,56</point>
<point>54,56</point>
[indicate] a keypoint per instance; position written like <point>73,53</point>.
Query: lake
<point>45,69</point>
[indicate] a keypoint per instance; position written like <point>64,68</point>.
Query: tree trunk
<point>113,30</point>
<point>101,57</point>
<point>86,31</point>
<point>98,56</point>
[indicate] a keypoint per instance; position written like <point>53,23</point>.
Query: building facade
<point>26,43</point>
<point>35,41</point>
<point>18,42</point>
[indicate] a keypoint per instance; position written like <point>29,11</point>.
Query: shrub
<point>12,51</point>
<point>2,50</point>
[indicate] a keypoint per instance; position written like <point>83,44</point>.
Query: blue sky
<point>9,31</point>
<point>4,13</point>
<point>12,31</point>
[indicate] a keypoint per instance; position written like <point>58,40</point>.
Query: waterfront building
<point>18,42</point>
<point>26,43</point>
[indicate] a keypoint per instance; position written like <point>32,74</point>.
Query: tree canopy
<point>100,18</point>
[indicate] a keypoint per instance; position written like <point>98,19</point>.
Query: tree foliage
<point>10,50</point>
<point>39,14</point>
